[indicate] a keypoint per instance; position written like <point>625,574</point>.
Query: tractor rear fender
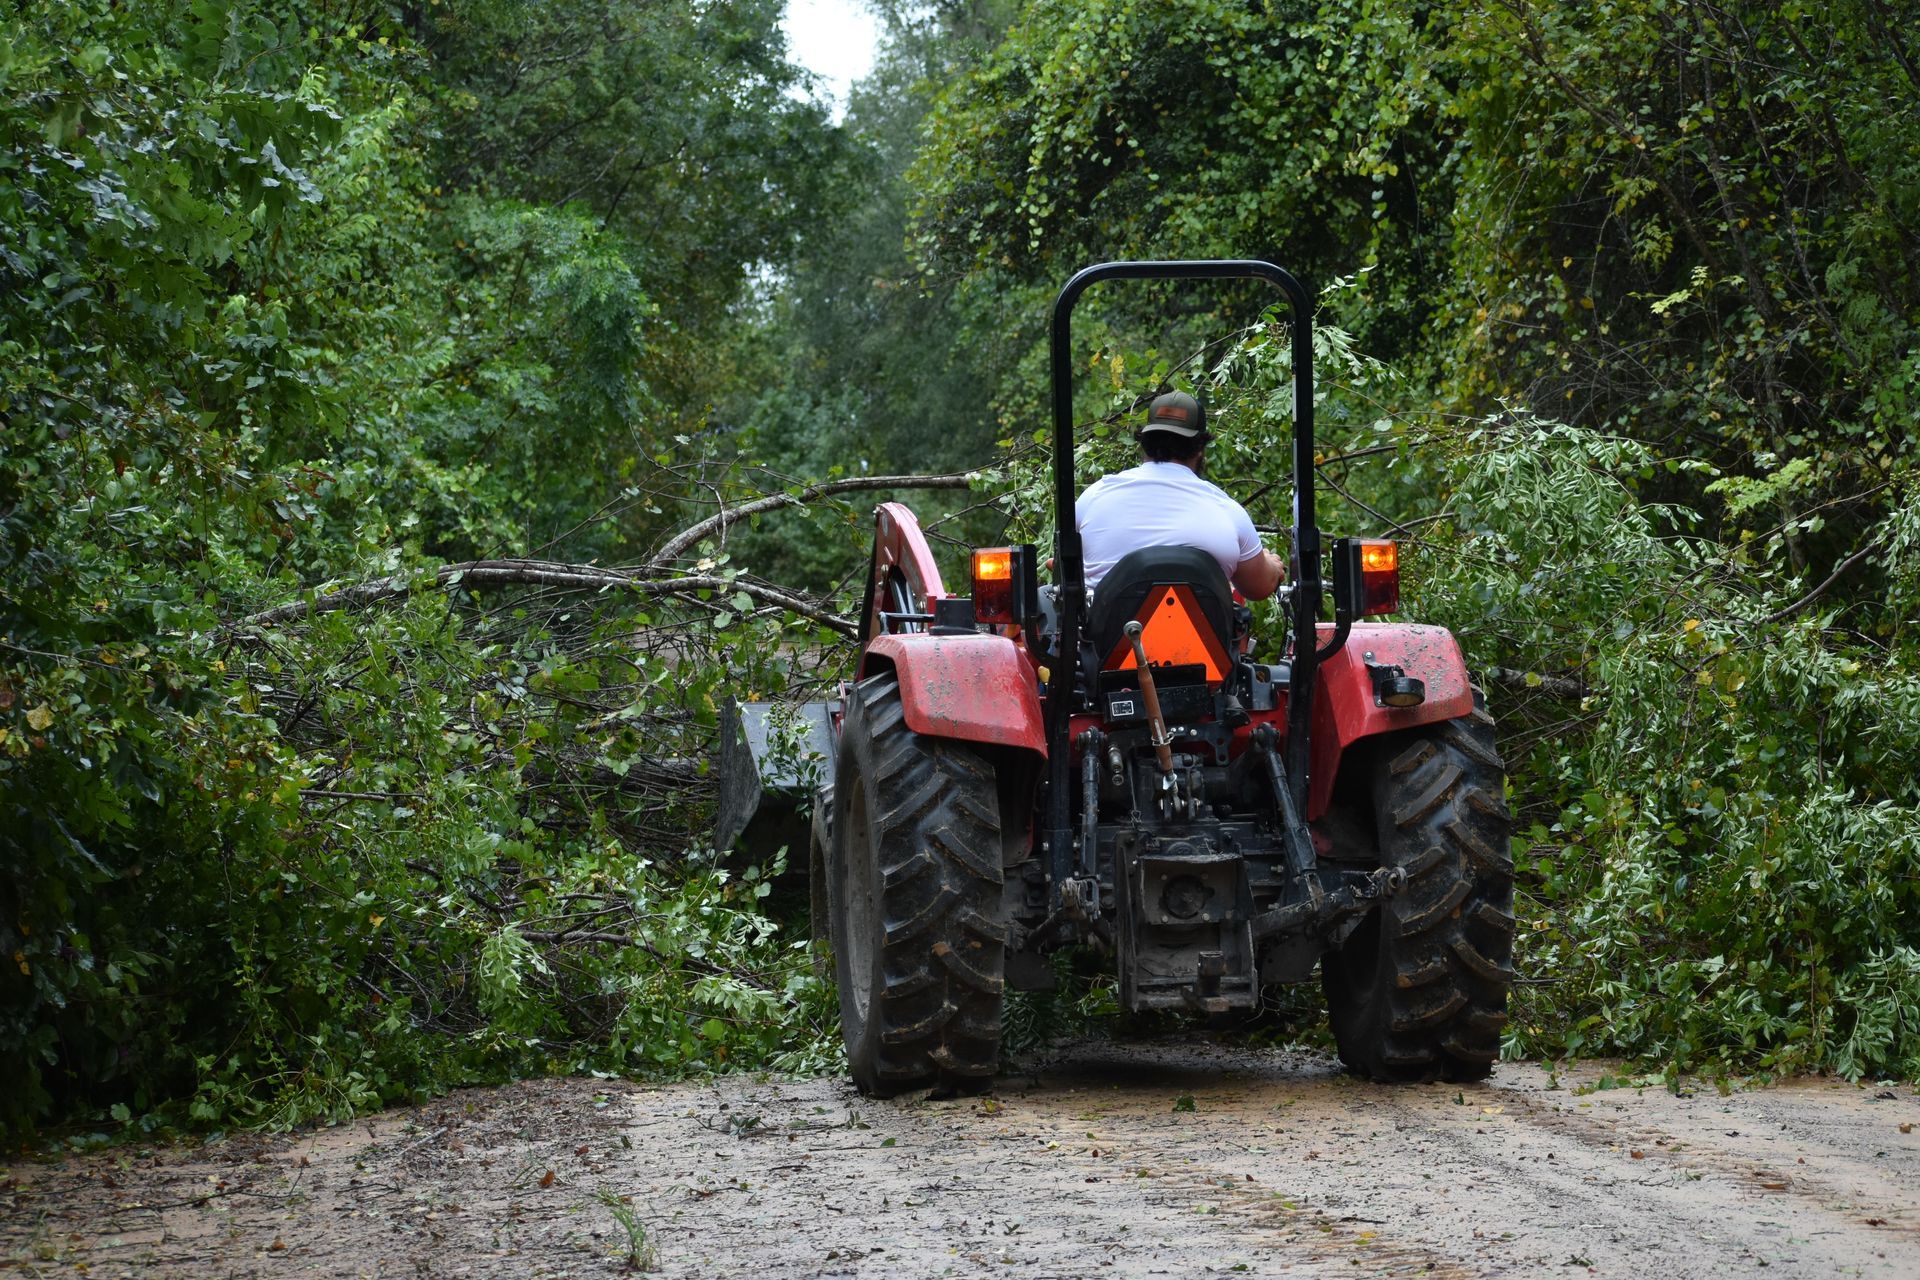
<point>1346,711</point>
<point>977,688</point>
<point>901,576</point>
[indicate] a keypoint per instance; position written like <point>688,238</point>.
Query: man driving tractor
<point>1166,501</point>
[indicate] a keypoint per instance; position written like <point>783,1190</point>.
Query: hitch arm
<point>1156,723</point>
<point>1296,842</point>
<point>1336,914</point>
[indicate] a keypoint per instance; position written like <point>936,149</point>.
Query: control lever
<point>1156,723</point>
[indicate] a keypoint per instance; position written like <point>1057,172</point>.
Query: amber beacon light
<point>993,584</point>
<point>1379,575</point>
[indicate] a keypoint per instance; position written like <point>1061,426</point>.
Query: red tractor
<point>1017,770</point>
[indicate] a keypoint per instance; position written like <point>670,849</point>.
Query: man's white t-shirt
<point>1160,504</point>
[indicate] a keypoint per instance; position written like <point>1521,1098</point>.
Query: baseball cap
<point>1176,413</point>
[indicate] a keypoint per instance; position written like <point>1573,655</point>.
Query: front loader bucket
<point>773,756</point>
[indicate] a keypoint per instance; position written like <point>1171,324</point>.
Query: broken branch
<point>1534,682</point>
<point>691,536</point>
<point>539,573</point>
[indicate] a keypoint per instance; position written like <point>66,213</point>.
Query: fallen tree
<point>475,574</point>
<point>657,578</point>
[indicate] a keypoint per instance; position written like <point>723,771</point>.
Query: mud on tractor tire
<point>914,899</point>
<point>1419,990</point>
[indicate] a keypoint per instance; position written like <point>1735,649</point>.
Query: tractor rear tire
<point>1419,990</point>
<point>914,898</point>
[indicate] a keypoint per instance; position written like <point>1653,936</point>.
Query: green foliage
<point>854,364</point>
<point>1687,223</point>
<point>136,179</point>
<point>1082,1002</point>
<point>465,887</point>
<point>676,128</point>
<point>261,336</point>
<point>1694,222</point>
<point>1680,232</point>
<point>1620,340</point>
<point>1723,855</point>
<point>1296,131</point>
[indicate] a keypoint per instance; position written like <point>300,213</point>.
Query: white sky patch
<point>834,39</point>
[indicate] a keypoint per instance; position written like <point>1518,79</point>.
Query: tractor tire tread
<point>933,998</point>
<point>983,864</point>
<point>1419,991</point>
<point>927,919</point>
<point>1473,745</point>
<point>1435,790</point>
<point>1424,920</point>
<point>968,975</point>
<point>1414,1018</point>
<point>1431,971</point>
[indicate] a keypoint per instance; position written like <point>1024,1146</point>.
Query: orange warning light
<point>995,564</point>
<point>1379,575</point>
<point>1379,556</point>
<point>993,584</point>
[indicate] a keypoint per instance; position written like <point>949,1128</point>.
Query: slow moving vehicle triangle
<point>1174,632</point>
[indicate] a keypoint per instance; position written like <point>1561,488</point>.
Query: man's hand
<point>1259,576</point>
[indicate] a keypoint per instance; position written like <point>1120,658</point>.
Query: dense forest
<point>415,419</point>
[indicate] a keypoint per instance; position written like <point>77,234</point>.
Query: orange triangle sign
<point>1174,632</point>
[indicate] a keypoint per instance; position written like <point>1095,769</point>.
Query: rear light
<point>993,584</point>
<point>1379,575</point>
<point>1004,589</point>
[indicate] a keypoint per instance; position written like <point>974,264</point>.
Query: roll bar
<point>1070,565</point>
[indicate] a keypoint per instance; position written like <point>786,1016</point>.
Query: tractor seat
<point>1126,589</point>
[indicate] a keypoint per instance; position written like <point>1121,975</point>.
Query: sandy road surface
<point>1098,1165</point>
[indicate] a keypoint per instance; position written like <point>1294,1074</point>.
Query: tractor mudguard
<point>976,688</point>
<point>1347,711</point>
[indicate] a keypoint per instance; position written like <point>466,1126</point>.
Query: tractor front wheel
<point>914,900</point>
<point>1419,990</point>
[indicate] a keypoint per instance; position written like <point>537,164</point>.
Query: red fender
<point>977,688</point>
<point>1345,711</point>
<point>901,561</point>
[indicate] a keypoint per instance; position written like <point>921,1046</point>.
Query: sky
<point>834,39</point>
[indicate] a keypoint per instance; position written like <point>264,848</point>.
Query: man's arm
<point>1260,571</point>
<point>1259,575</point>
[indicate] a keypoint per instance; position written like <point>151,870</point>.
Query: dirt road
<point>1130,1160</point>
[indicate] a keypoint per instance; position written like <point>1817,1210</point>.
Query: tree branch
<point>1781,615</point>
<point>568,935</point>
<point>539,573</point>
<point>673,547</point>
<point>1533,682</point>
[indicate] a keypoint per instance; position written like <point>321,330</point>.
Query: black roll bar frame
<point>1070,565</point>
